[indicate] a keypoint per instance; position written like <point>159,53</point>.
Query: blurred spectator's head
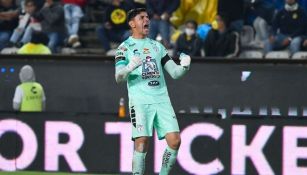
<point>116,2</point>
<point>291,5</point>
<point>7,3</point>
<point>39,38</point>
<point>222,22</point>
<point>50,2</point>
<point>190,27</point>
<point>26,74</point>
<point>30,6</point>
<point>290,2</point>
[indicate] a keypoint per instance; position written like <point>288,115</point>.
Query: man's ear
<point>131,24</point>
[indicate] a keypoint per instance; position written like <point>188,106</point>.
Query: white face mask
<point>291,7</point>
<point>189,31</point>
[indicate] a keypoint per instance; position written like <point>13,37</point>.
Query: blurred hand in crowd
<point>107,25</point>
<point>286,42</point>
<point>155,16</point>
<point>165,16</point>
<point>272,39</point>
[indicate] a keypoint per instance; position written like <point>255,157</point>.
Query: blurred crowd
<point>201,28</point>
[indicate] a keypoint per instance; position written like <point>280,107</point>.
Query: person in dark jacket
<point>262,11</point>
<point>235,11</point>
<point>53,23</point>
<point>288,27</point>
<point>8,20</point>
<point>222,42</point>
<point>188,42</point>
<point>115,27</point>
<point>160,12</point>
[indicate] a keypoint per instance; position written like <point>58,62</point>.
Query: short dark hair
<point>193,22</point>
<point>39,37</point>
<point>30,1</point>
<point>225,18</point>
<point>134,12</point>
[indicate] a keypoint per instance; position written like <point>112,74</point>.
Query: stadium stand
<point>299,55</point>
<point>278,55</point>
<point>251,54</point>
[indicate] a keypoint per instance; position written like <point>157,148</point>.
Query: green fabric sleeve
<point>175,71</point>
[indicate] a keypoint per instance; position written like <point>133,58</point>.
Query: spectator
<point>53,23</point>
<point>235,11</point>
<point>8,20</point>
<point>114,27</point>
<point>37,45</point>
<point>188,42</point>
<point>29,95</point>
<point>222,42</point>
<point>24,28</point>
<point>288,27</point>
<point>160,12</point>
<point>263,12</point>
<point>73,14</point>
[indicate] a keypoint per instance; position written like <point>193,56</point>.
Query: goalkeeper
<point>139,61</point>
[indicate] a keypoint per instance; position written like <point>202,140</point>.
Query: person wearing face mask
<point>222,42</point>
<point>288,27</point>
<point>188,42</point>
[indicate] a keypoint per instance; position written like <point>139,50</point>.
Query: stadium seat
<point>299,55</point>
<point>11,50</point>
<point>247,35</point>
<point>251,54</point>
<point>278,55</point>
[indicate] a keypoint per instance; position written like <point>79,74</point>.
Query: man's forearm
<point>121,73</point>
<point>175,71</point>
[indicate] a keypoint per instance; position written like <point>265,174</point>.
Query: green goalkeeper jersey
<point>146,84</point>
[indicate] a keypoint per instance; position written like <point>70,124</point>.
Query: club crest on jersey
<point>146,51</point>
<point>155,48</point>
<point>150,68</point>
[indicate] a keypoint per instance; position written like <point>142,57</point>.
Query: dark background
<point>86,84</point>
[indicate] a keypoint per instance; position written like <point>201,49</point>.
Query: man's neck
<point>138,36</point>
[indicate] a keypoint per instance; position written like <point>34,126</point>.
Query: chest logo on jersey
<point>150,68</point>
<point>146,51</point>
<point>136,52</point>
<point>153,83</point>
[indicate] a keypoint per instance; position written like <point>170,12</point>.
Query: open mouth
<point>146,26</point>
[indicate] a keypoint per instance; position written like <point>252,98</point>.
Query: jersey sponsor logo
<point>136,52</point>
<point>122,48</point>
<point>139,128</point>
<point>166,157</point>
<point>153,83</point>
<point>131,45</point>
<point>155,48</point>
<point>150,68</point>
<point>118,59</point>
<point>146,51</point>
<point>132,116</point>
<point>119,56</point>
